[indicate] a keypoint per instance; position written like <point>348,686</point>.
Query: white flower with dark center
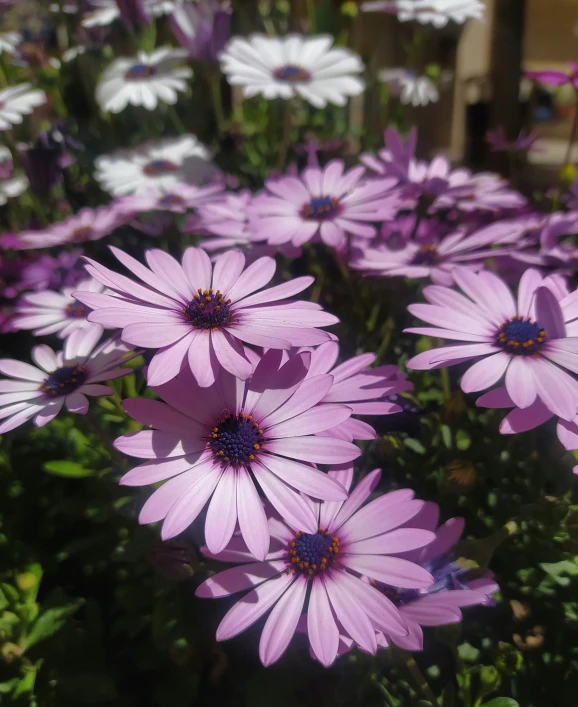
<point>105,12</point>
<point>409,87</point>
<point>284,67</point>
<point>11,185</point>
<point>9,41</point>
<point>143,80</point>
<point>435,12</point>
<point>50,312</point>
<point>16,101</point>
<point>163,165</point>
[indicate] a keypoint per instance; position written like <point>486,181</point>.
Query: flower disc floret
<point>292,73</point>
<point>236,440</point>
<point>322,208</point>
<point>427,255</point>
<point>521,336</point>
<point>64,380</point>
<point>313,553</point>
<point>155,167</point>
<point>139,71</point>
<point>209,310</point>
<point>76,310</point>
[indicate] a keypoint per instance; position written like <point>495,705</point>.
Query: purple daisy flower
<point>441,602</point>
<point>525,342</point>
<point>219,442</point>
<point>86,225</point>
<point>325,565</point>
<point>363,390</point>
<point>322,202</point>
<point>522,420</point>
<point>499,142</point>
<point>202,312</point>
<point>50,312</point>
<point>556,78</point>
<point>433,258</point>
<point>444,187</point>
<point>65,377</point>
<point>179,201</point>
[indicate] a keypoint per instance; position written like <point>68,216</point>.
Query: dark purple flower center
<point>521,337</point>
<point>322,208</point>
<point>82,233</point>
<point>426,255</point>
<point>64,380</point>
<point>171,200</point>
<point>209,310</point>
<point>138,72</point>
<point>76,310</point>
<point>236,439</point>
<point>313,553</point>
<point>156,167</point>
<point>292,74</point>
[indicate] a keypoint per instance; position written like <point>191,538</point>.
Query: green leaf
<point>67,469</point>
<point>50,622</point>
<point>502,702</point>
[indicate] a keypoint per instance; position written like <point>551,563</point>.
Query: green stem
<point>176,121</point>
<point>311,16</point>
<point>215,85</point>
<point>416,674</point>
<point>286,136</point>
<point>445,378</point>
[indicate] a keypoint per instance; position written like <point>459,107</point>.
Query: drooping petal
<point>282,622</point>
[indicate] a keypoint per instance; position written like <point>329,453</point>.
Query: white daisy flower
<point>409,87</point>
<point>9,41</point>
<point>50,312</point>
<point>17,101</point>
<point>143,80</point>
<point>105,12</point>
<point>435,12</point>
<point>284,67</point>
<point>11,185</point>
<point>164,165</point>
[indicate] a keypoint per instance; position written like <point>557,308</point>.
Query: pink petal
<point>527,419</point>
<point>252,606</point>
<point>48,413</point>
<point>485,373</point>
<point>222,513</point>
<point>231,355</point>
<point>382,613</point>
<point>529,282</point>
<point>432,614</point>
<point>189,504</point>
<point>321,627</point>
<point>401,540</point>
<point>198,268</point>
<point>306,479</point>
<point>391,570</point>
<point>292,507</point>
<point>351,616</point>
<point>18,369</point>
<point>228,268</point>
<point>357,497</point>
<point>77,403</point>
<point>279,292</point>
<point>167,362</point>
<point>154,471</point>
<point>169,271</point>
<point>555,388</point>
<point>154,413</point>
<point>567,434</point>
<point>282,622</point>
<point>318,450</point>
<point>237,579</point>
<point>378,517</point>
<point>256,276</point>
<point>520,382</point>
<point>309,393</point>
<point>549,314</point>
<point>154,335</point>
<point>153,444</point>
<point>203,362</point>
<point>414,640</point>
<point>252,518</point>
<point>317,419</point>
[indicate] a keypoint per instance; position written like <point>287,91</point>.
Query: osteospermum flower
<point>225,441</point>
<point>163,165</point>
<point>50,312</point>
<point>105,12</point>
<point>454,586</point>
<point>364,390</point>
<point>327,202</point>
<point>65,377</point>
<point>411,88</point>
<point>284,67</point>
<point>11,185</point>
<point>524,342</point>
<point>86,225</point>
<point>185,198</point>
<point>435,12</point>
<point>16,101</point>
<point>324,565</point>
<point>201,312</point>
<point>522,420</point>
<point>433,258</point>
<point>143,80</point>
